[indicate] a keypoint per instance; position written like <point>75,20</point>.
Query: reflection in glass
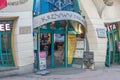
<point>59,50</point>
<point>45,45</point>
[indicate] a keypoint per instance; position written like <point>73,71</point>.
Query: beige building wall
<point>112,13</point>
<point>97,45</point>
<point>21,13</point>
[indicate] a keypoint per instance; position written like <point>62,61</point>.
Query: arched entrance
<point>53,38</point>
<point>54,30</point>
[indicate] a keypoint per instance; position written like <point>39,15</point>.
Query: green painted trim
<point>66,47</point>
<point>77,4</point>
<point>52,35</point>
<point>114,34</point>
<point>113,47</point>
<point>37,55</point>
<point>108,60</point>
<point>69,65</point>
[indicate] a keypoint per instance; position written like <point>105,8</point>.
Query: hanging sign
<point>56,16</point>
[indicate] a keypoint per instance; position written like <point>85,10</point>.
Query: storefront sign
<point>5,27</point>
<point>111,27</point>
<point>56,16</point>
<point>42,60</point>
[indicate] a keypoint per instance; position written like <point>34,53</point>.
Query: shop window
<point>6,57</point>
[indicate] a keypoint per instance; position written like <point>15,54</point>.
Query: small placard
<point>78,54</point>
<point>101,32</point>
<point>80,44</point>
<point>25,30</point>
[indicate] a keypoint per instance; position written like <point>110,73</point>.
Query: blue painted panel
<point>36,8</point>
<point>44,6</point>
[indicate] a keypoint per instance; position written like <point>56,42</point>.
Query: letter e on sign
<point>7,27</point>
<point>2,27</point>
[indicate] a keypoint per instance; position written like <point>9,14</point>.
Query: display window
<point>6,56</point>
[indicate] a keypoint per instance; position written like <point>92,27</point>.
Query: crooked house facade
<point>44,34</point>
<point>58,24</point>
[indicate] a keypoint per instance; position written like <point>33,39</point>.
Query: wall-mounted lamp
<point>78,28</point>
<point>108,2</point>
<point>52,25</point>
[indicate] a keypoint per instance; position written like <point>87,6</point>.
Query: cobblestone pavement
<point>112,73</point>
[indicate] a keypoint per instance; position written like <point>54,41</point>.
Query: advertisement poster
<point>78,53</point>
<point>71,47</point>
<point>42,61</point>
<point>80,44</point>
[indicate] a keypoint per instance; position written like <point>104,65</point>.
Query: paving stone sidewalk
<point>112,73</point>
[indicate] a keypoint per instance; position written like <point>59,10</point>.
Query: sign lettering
<point>56,16</point>
<point>111,27</point>
<point>5,27</point>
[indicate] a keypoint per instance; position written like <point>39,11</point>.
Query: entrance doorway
<point>112,45</point>
<point>53,38</point>
<point>53,44</point>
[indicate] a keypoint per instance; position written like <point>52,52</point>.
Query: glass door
<point>45,46</point>
<point>59,42</point>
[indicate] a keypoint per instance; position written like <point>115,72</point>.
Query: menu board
<point>79,52</point>
<point>42,60</point>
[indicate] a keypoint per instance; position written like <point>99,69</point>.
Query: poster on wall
<point>71,47</point>
<point>80,44</point>
<point>42,61</point>
<point>78,54</point>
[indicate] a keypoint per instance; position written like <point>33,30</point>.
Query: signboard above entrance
<point>111,27</point>
<point>5,27</point>
<point>56,16</point>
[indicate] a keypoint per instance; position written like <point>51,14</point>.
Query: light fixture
<point>108,2</point>
<point>52,25</point>
<point>78,29</point>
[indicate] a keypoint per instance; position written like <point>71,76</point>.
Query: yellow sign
<point>71,47</point>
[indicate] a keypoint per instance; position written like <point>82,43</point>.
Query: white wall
<point>97,45</point>
<point>23,42</point>
<point>112,13</point>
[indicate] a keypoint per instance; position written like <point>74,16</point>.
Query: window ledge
<point>7,68</point>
